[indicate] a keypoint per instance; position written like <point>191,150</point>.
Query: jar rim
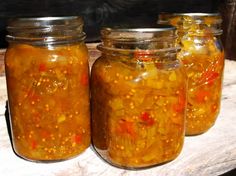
<point>159,28</point>
<point>164,17</point>
<point>196,14</point>
<point>32,22</point>
<point>46,18</point>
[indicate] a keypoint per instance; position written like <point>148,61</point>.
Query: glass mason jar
<point>138,91</point>
<point>48,89</point>
<point>203,57</point>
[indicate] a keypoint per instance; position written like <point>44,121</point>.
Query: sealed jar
<point>138,91</point>
<point>48,88</point>
<point>203,57</point>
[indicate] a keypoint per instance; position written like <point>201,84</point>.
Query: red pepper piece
<point>77,139</point>
<point>213,76</point>
<point>84,79</point>
<point>145,117</point>
<point>210,74</point>
<point>201,95</point>
<point>33,144</point>
<point>45,134</point>
<point>42,67</point>
<point>208,77</point>
<point>126,127</point>
<point>142,55</point>
<point>33,97</point>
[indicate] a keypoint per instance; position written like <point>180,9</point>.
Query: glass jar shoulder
<point>45,51</point>
<point>201,45</point>
<point>148,74</point>
<point>23,57</point>
<point>201,53</point>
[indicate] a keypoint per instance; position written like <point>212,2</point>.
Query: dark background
<point>98,13</point>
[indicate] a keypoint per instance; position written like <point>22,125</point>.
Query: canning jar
<point>138,91</point>
<point>48,88</point>
<point>203,57</point>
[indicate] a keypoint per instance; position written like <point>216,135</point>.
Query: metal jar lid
<point>151,34</point>
<point>45,29</point>
<point>43,22</point>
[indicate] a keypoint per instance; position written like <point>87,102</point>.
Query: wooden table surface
<point>212,153</point>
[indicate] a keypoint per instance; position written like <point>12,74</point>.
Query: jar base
<point>134,168</point>
<point>47,161</point>
<point>200,133</point>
